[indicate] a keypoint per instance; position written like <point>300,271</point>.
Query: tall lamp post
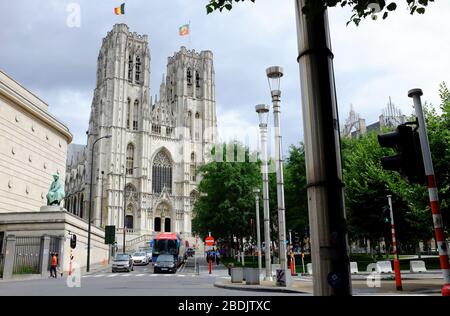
<point>90,202</point>
<point>258,233</point>
<point>274,75</point>
<point>263,114</point>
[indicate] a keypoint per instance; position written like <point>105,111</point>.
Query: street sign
<point>209,241</point>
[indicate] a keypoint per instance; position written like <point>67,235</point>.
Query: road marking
<point>139,275</point>
<point>126,275</point>
<point>99,275</point>
<point>180,275</point>
<point>112,275</point>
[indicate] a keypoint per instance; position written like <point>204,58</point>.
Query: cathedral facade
<point>145,174</point>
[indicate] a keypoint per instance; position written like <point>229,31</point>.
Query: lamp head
<point>256,191</point>
<point>274,75</point>
<point>263,113</point>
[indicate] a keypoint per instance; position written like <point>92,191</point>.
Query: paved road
<point>141,281</point>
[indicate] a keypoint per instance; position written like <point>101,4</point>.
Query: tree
<point>226,200</point>
<point>360,8</point>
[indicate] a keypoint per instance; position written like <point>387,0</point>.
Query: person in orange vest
<point>54,264</point>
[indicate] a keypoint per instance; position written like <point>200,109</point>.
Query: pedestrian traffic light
<point>408,160</point>
<point>73,241</point>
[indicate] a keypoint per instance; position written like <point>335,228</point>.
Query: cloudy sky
<point>372,62</point>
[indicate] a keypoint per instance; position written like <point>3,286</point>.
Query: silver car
<point>122,262</point>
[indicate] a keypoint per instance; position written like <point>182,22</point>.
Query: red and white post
<point>398,275</point>
<point>415,94</point>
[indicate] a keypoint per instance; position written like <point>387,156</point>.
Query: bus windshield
<point>165,246</point>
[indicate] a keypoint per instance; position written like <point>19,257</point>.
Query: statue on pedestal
<point>56,192</point>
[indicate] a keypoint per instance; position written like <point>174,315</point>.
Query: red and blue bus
<point>169,244</point>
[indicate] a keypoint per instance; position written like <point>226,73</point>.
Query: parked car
<point>140,258</point>
<point>190,252</point>
<point>165,263</point>
<point>122,262</point>
<point>149,255</point>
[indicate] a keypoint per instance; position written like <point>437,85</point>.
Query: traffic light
<point>73,241</point>
<point>110,234</point>
<point>386,215</point>
<point>408,160</point>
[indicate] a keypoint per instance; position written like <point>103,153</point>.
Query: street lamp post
<point>258,233</point>
<point>263,114</point>
<point>274,75</point>
<point>90,202</point>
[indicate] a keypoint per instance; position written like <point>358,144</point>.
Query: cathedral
<point>145,171</point>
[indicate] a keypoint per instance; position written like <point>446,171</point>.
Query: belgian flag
<point>120,10</point>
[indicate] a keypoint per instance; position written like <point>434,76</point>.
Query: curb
<point>257,289</point>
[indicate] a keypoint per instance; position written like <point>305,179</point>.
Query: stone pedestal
<point>53,208</point>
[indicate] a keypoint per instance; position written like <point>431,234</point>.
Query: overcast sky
<point>372,62</point>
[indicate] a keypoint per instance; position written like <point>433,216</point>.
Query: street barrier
<point>309,268</point>
<point>237,275</point>
<point>417,266</point>
<point>251,276</point>
<point>354,267</point>
<point>371,267</point>
<point>384,267</point>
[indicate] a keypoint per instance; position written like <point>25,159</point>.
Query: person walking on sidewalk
<point>54,264</point>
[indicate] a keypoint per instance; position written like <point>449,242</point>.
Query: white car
<point>139,258</point>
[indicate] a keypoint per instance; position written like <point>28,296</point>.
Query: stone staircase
<point>136,243</point>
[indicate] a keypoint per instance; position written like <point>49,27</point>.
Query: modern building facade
<point>33,147</point>
<point>157,143</point>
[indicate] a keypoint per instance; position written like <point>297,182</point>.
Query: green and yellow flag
<point>184,30</point>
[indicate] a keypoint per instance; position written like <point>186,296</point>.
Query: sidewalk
<point>29,277</point>
<point>360,287</point>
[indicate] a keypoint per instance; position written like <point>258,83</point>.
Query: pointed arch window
<point>197,79</point>
<point>138,70</point>
<point>189,76</point>
<point>135,115</point>
<point>197,126</point>
<point>189,123</point>
<point>128,113</point>
<point>130,69</point>
<point>161,173</point>
<point>130,159</point>
<point>193,168</point>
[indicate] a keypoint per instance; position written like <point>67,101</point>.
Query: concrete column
<point>43,255</point>
<point>10,253</point>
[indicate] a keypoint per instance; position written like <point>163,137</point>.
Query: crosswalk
<point>150,275</point>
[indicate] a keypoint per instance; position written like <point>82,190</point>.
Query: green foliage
<point>367,184</point>
<point>226,200</point>
<point>360,8</point>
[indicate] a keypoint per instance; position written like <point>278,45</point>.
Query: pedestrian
<point>217,257</point>
<point>54,264</point>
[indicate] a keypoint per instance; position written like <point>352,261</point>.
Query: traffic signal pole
<point>415,94</point>
<point>398,275</point>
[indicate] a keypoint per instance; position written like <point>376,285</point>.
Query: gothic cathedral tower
<point>156,145</point>
<point>118,109</point>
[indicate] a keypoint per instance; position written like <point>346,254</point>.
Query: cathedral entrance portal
<point>163,221</point>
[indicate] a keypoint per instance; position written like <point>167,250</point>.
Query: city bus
<point>169,244</point>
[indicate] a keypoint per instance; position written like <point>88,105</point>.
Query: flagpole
<point>189,34</point>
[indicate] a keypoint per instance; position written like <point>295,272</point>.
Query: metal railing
<point>54,248</point>
<point>26,259</point>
